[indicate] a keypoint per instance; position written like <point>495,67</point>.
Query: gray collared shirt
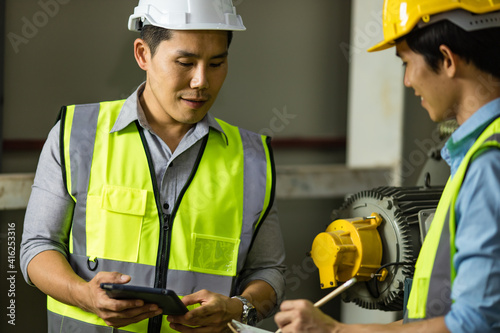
<point>48,215</point>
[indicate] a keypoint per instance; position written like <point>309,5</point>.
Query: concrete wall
<point>288,75</point>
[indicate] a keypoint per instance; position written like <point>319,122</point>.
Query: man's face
<point>434,90</point>
<point>185,75</point>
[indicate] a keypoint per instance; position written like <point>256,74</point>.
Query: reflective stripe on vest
<point>116,225</point>
<point>58,323</point>
<point>430,295</point>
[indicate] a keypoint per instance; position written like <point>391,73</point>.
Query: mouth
<point>195,103</point>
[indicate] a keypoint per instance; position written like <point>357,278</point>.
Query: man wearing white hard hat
<point>153,191</point>
<point>451,52</point>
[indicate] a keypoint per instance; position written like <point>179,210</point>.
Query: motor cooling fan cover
<point>400,234</point>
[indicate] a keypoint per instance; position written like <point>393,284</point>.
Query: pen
<point>332,295</point>
<point>335,293</point>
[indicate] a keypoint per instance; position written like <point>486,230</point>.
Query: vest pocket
<point>214,255</point>
<point>114,223</point>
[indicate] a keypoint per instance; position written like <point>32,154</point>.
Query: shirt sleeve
<point>475,290</point>
<point>50,208</point>
<point>265,260</point>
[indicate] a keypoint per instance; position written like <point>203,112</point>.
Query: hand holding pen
<point>331,295</point>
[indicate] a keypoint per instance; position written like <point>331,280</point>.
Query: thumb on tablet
<point>112,277</point>
<point>124,278</point>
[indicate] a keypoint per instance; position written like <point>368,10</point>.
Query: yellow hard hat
<point>401,16</point>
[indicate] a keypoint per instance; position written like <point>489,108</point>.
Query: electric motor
<point>375,236</point>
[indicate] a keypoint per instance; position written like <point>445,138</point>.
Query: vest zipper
<point>154,324</point>
<point>166,223</point>
<point>165,252</point>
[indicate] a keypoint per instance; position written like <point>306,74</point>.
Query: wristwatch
<point>249,314</point>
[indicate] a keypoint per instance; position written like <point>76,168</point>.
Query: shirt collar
<point>464,137</point>
<point>132,111</point>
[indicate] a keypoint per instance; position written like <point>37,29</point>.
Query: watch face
<point>252,316</point>
<point>249,315</point>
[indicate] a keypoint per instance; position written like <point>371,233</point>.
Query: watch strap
<point>249,314</point>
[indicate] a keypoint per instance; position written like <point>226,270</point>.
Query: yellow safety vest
<point>430,294</point>
<point>118,224</point>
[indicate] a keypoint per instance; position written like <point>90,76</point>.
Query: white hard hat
<point>186,15</point>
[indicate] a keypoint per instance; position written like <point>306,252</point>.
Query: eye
<point>184,64</point>
<point>215,65</point>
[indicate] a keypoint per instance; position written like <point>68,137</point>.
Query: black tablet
<point>166,299</point>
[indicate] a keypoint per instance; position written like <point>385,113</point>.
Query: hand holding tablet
<point>166,299</point>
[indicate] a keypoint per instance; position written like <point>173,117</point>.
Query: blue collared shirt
<point>476,289</point>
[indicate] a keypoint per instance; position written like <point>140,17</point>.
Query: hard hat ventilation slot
<point>465,20</point>
<point>485,21</point>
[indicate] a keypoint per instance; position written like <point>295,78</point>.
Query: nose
<point>406,79</point>
<point>199,79</point>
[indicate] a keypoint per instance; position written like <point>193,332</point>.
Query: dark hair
<point>480,47</point>
<point>153,36</point>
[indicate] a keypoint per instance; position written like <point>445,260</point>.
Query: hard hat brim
<point>383,45</point>
<point>133,25</point>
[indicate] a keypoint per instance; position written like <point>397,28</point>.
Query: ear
<point>450,61</point>
<point>142,54</point>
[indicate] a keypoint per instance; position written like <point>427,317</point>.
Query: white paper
<point>242,328</point>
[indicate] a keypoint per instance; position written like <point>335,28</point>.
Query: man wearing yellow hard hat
<point>451,52</point>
